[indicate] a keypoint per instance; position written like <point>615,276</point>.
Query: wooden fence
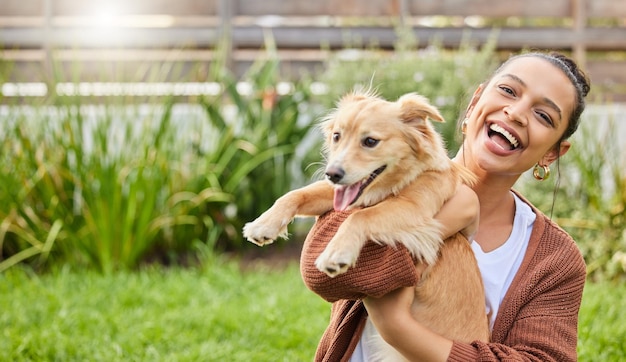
<point>119,38</point>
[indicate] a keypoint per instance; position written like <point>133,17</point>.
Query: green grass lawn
<point>602,323</point>
<point>217,313</point>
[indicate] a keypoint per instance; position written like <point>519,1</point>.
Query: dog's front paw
<point>262,233</point>
<point>334,262</point>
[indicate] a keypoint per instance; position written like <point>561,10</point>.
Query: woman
<point>532,270</point>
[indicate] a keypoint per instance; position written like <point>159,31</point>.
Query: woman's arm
<point>544,335</point>
<point>379,269</point>
<point>460,213</point>
<point>391,315</point>
<point>537,321</point>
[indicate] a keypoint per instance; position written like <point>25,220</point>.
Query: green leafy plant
<point>262,149</point>
<point>99,187</point>
<point>116,184</point>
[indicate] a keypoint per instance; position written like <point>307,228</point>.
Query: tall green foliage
<point>93,185</point>
<point>112,184</point>
<point>256,157</point>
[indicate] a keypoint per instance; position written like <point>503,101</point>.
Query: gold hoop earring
<point>541,172</point>
<point>464,126</point>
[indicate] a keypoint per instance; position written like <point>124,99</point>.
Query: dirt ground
<point>272,256</point>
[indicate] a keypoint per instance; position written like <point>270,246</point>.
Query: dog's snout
<point>335,174</point>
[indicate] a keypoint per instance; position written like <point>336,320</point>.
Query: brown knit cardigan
<point>537,320</point>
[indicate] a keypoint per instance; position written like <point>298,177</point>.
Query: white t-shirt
<point>497,267</point>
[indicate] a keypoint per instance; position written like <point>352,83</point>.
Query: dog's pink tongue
<point>345,195</point>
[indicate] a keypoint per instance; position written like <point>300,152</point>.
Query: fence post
<point>579,48</point>
<point>226,11</point>
<point>404,12</point>
<point>48,7</point>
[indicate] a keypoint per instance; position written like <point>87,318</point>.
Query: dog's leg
<point>311,200</point>
<point>421,235</point>
<point>411,223</point>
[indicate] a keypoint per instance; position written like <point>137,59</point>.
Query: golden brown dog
<point>386,159</point>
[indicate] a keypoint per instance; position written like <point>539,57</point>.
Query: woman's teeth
<point>506,134</point>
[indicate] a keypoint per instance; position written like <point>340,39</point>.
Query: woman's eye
<point>507,90</point>
<point>546,118</point>
<point>370,142</point>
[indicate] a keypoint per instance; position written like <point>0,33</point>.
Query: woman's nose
<point>513,113</point>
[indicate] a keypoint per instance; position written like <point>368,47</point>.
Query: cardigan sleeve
<point>379,269</point>
<point>539,320</point>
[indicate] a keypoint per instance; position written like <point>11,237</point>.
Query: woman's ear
<point>475,97</point>
<point>555,153</point>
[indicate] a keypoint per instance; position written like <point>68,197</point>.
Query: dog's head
<point>374,147</point>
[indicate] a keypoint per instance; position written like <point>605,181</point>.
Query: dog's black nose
<point>335,174</point>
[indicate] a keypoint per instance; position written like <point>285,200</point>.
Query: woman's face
<point>519,117</point>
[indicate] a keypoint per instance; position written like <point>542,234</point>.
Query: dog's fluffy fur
<point>386,159</point>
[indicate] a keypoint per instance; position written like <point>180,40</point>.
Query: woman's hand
<point>391,309</point>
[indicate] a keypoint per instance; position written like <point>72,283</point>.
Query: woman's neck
<point>497,212</point>
<point>497,205</point>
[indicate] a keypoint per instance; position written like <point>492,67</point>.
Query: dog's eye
<point>370,142</point>
<point>336,137</point>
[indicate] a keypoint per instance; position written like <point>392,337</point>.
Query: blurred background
<point>137,137</point>
<point>150,131</point>
<point>117,40</point>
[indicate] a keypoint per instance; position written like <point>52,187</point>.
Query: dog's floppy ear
<point>415,106</point>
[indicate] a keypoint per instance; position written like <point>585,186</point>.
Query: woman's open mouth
<point>503,138</point>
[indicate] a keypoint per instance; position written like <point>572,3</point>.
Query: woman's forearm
<point>392,317</point>
<point>379,270</point>
<point>417,343</point>
<point>391,313</point>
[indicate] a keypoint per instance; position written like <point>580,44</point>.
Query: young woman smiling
<point>518,119</point>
